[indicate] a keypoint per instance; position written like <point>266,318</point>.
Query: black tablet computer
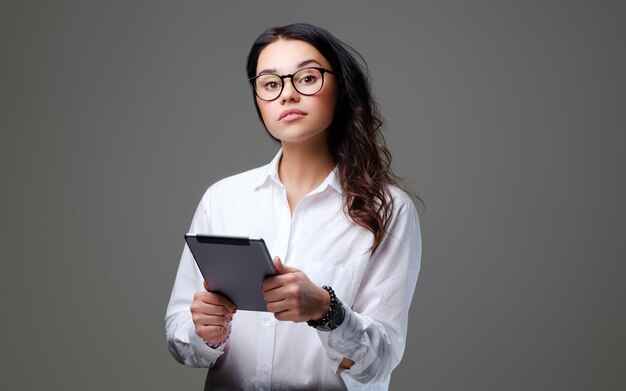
<point>234,266</point>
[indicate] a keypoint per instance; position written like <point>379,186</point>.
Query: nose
<point>289,92</point>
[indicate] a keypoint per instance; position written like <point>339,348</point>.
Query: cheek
<point>265,111</point>
<point>327,109</point>
<point>330,98</point>
<point>327,115</point>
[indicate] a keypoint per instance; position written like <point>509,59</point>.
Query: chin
<point>299,137</point>
<point>293,134</point>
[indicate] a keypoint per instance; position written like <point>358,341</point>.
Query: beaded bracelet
<point>327,316</point>
<point>217,345</point>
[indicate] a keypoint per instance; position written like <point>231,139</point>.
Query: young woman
<point>346,239</point>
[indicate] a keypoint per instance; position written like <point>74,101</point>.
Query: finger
<point>211,320</point>
<point>275,294</point>
<point>202,304</point>
<point>211,333</point>
<point>280,269</point>
<point>278,281</point>
<point>218,300</point>
<point>226,303</point>
<point>201,309</point>
<point>218,310</point>
<point>277,306</point>
<point>272,282</point>
<point>209,298</point>
<point>283,315</point>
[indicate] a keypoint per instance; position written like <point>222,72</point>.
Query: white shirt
<point>266,354</point>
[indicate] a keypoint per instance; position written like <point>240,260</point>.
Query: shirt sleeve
<point>182,341</point>
<point>373,333</point>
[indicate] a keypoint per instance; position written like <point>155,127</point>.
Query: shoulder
<point>399,197</point>
<point>404,210</point>
<point>404,223</point>
<point>245,180</point>
<point>242,183</point>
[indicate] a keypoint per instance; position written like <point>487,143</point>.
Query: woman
<point>346,239</point>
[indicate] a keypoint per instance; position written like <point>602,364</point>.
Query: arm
<point>182,330</point>
<point>370,342</point>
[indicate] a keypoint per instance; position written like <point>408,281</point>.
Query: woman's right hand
<point>211,314</point>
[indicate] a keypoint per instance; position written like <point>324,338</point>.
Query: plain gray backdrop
<point>506,117</point>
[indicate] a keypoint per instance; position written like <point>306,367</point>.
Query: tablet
<point>234,266</point>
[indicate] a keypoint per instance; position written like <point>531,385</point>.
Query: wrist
<point>215,345</point>
<point>333,317</point>
<point>325,304</point>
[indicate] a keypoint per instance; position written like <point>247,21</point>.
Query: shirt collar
<point>270,172</point>
<point>332,180</point>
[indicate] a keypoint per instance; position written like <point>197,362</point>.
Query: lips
<point>291,113</point>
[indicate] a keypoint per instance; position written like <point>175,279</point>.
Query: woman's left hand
<point>290,295</point>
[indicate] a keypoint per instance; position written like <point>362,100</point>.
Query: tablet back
<point>233,266</point>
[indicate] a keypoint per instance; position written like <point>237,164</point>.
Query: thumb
<point>206,286</point>
<point>280,268</point>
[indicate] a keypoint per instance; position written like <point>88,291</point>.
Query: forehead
<point>285,55</point>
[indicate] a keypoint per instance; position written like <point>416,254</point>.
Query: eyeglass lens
<point>307,81</point>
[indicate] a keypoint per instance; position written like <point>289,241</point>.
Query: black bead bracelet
<point>328,315</point>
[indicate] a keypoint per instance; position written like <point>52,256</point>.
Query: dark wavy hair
<point>355,140</point>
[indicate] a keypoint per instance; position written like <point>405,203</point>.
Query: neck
<point>303,167</point>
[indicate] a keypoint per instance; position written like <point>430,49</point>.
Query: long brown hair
<point>355,140</point>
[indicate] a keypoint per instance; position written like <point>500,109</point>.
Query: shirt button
<point>265,367</point>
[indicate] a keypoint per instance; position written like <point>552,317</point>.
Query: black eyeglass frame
<point>290,76</point>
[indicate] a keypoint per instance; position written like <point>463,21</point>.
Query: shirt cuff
<point>200,347</point>
<point>348,340</point>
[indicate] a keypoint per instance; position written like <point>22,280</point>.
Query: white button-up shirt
<point>266,354</point>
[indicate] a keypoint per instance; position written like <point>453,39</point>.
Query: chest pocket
<point>338,277</point>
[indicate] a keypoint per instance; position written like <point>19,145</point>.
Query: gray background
<point>507,118</point>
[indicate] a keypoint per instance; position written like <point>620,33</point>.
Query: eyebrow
<point>300,65</point>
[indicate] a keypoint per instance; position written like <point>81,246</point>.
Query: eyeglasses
<point>307,81</point>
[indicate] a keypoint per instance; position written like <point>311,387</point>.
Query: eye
<point>268,83</point>
<point>309,79</point>
<point>271,85</point>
